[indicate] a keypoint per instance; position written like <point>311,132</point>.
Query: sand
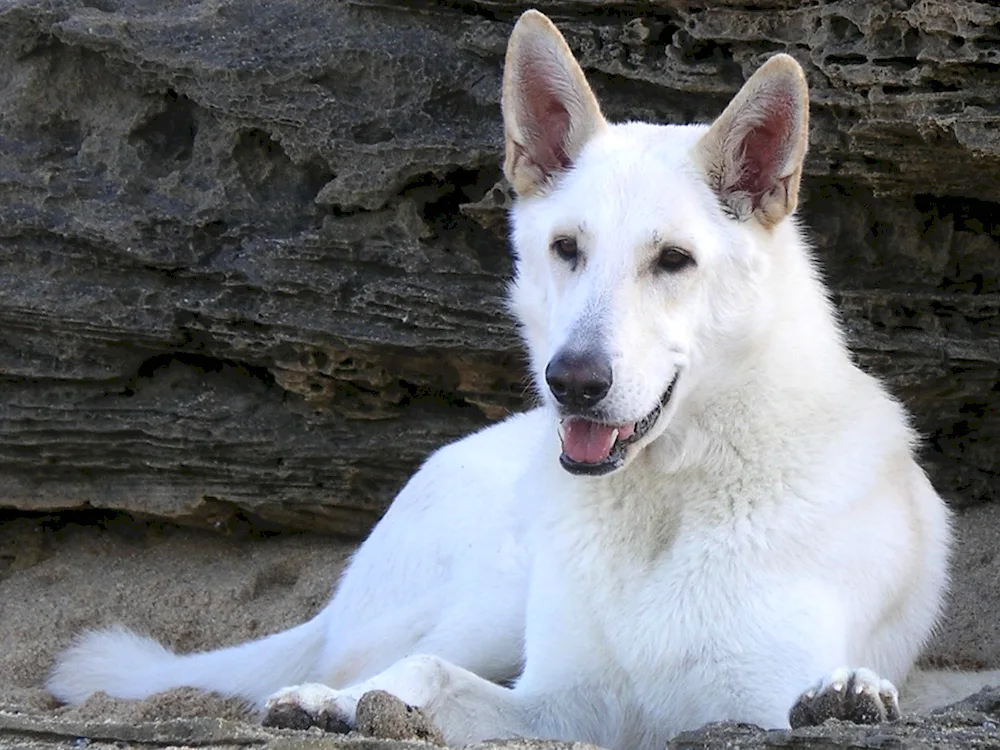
<point>195,590</point>
<point>189,589</point>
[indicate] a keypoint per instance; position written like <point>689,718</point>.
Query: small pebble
<point>384,716</point>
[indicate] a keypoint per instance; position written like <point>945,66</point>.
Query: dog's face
<point>624,277</point>
<point>637,245</point>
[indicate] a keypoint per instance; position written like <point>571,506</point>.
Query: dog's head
<point>638,246</point>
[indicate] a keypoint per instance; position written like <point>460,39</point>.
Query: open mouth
<point>593,448</point>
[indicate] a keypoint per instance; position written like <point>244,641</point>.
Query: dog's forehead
<point>637,179</point>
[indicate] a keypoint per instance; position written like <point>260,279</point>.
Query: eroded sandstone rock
<point>252,258</point>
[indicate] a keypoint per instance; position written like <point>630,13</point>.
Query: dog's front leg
<point>465,707</point>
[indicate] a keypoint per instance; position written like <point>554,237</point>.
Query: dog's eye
<point>566,249</point>
<point>673,259</point>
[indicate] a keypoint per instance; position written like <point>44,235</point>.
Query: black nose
<point>579,379</point>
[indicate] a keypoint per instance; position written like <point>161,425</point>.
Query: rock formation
<point>253,259</point>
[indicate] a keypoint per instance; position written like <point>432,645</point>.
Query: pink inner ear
<point>765,147</point>
<point>546,122</point>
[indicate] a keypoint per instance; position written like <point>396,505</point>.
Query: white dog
<point>714,515</point>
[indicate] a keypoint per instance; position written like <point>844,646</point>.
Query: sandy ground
<point>195,590</point>
<point>189,589</point>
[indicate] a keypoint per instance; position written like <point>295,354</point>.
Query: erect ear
<point>752,155</point>
<point>549,111</point>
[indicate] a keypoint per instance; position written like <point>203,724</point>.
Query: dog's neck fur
<point>798,355</point>
<point>796,349</point>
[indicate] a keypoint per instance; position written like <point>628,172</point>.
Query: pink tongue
<point>587,442</point>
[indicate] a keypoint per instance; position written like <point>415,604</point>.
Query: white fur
<point>771,530</point>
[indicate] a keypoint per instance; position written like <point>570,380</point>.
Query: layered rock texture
<point>252,256</point>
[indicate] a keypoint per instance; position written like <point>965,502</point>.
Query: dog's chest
<point>692,617</point>
<point>698,591</point>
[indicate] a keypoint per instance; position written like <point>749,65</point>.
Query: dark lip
<point>616,458</point>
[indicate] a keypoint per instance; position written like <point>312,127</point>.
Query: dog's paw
<point>310,705</point>
<point>857,695</point>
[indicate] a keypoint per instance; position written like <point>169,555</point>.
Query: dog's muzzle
<point>594,448</point>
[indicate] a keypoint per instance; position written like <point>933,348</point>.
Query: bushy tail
<point>123,664</point>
